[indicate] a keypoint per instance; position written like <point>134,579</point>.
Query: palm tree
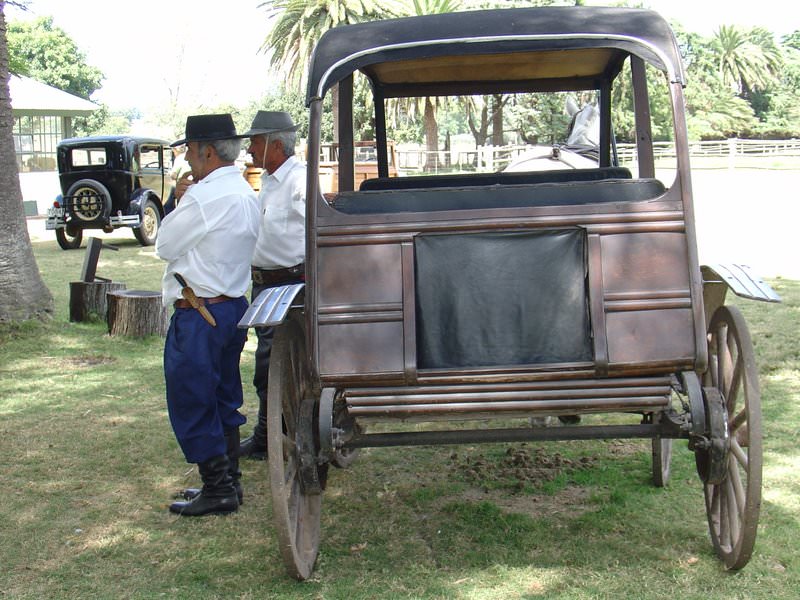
<point>23,294</point>
<point>746,60</point>
<point>430,105</point>
<point>298,26</point>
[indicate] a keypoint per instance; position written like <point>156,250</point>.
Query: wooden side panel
<point>643,262</point>
<point>650,336</point>
<point>361,310</point>
<point>361,348</point>
<point>647,298</point>
<point>360,275</point>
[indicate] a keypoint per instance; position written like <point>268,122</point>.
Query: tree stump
<point>136,313</point>
<point>88,299</point>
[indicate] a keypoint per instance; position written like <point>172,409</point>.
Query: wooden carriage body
<point>508,295</point>
<point>615,292</point>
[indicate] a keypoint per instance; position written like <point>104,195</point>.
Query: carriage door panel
<point>360,310</point>
<point>646,298</point>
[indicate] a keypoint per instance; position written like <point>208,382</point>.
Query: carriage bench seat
<point>498,196</point>
<point>503,178</point>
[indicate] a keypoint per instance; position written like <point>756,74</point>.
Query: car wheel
<point>67,241</point>
<point>88,200</point>
<point>151,220</point>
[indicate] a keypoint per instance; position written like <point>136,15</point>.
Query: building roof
<point>31,97</point>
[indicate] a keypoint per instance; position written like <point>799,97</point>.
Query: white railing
<point>716,154</point>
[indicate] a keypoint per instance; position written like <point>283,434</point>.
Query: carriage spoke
<point>739,454</point>
<point>287,444</point>
<point>731,392</point>
<point>734,514</point>
<point>725,362</point>
<point>736,483</point>
<point>719,339</point>
<point>737,421</point>
<point>290,475</point>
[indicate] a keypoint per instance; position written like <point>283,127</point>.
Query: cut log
<point>88,299</point>
<point>136,313</point>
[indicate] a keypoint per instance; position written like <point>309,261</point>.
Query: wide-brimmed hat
<point>207,128</point>
<point>270,121</point>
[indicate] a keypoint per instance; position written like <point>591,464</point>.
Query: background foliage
<point>741,82</point>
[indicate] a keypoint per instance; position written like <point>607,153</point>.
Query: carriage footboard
<point>481,401</point>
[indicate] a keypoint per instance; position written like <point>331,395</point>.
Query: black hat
<point>270,121</point>
<point>207,128</point>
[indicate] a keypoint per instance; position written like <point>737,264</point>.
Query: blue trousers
<point>204,385</point>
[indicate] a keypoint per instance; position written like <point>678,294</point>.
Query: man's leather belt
<point>278,276</point>
<point>183,303</point>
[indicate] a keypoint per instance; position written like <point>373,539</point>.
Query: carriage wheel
<point>662,455</point>
<point>296,501</point>
<point>732,505</point>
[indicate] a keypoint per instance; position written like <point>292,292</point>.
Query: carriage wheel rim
<point>296,514</point>
<point>733,505</point>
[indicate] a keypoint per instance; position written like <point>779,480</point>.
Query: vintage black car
<point>109,182</point>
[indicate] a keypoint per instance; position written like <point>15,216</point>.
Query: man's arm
<point>181,230</point>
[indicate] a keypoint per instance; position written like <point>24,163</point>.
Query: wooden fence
<point>717,154</point>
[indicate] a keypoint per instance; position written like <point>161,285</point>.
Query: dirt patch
<point>572,500</point>
<point>83,362</point>
<point>502,479</point>
<point>518,466</point>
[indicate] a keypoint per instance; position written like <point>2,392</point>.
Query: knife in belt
<point>189,295</point>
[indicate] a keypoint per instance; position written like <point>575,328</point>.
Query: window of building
<point>35,141</point>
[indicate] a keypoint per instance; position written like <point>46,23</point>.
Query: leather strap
<point>183,303</point>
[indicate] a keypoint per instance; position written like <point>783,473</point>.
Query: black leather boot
<point>255,446</point>
<point>217,497</point>
<point>232,443</point>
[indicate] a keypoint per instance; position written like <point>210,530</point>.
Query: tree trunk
<point>87,299</point>
<point>136,313</point>
<point>23,294</point>
<point>431,137</point>
<point>497,120</point>
<point>479,132</point>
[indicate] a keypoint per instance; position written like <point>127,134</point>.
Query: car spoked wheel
<point>151,222</point>
<point>88,200</point>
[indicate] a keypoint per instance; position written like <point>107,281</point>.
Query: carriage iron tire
<point>151,221</point>
<point>92,210</point>
<point>662,457</point>
<point>69,242</point>
<point>296,505</point>
<point>733,505</point>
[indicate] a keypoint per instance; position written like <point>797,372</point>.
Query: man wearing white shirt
<point>208,241</point>
<point>280,251</point>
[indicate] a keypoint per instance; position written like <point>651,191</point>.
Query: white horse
<point>584,129</point>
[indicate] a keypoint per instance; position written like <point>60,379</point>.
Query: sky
<point>206,52</point>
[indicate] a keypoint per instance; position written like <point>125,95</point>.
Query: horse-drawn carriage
<point>504,296</point>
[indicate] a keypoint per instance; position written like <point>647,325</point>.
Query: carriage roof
<point>476,51</point>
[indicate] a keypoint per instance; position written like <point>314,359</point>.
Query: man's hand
<point>183,184</point>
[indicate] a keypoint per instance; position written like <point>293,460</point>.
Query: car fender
<point>140,197</point>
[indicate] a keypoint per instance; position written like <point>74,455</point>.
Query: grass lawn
<point>89,465</point>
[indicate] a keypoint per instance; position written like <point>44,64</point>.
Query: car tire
<point>67,241</point>
<point>88,200</point>
<point>151,221</point>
